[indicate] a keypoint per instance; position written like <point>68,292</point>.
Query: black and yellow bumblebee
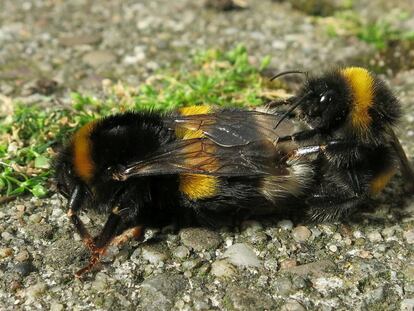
<point>351,114</point>
<point>204,165</point>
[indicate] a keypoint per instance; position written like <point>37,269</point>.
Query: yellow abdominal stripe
<point>186,133</point>
<point>82,157</point>
<point>380,181</point>
<point>194,110</point>
<point>361,83</point>
<point>196,186</point>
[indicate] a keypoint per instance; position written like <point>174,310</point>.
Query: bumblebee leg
<point>132,233</point>
<point>101,242</point>
<point>74,205</point>
<point>337,195</point>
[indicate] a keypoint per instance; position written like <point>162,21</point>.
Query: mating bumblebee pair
<point>330,150</point>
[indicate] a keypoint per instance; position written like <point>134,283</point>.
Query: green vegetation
<point>379,33</point>
<point>393,46</point>
<point>30,136</point>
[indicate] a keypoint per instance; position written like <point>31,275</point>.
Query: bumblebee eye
<point>326,97</point>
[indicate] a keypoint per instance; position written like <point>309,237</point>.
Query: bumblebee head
<point>65,176</point>
<point>325,101</point>
<point>351,98</point>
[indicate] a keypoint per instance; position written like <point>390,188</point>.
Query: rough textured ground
<point>365,263</point>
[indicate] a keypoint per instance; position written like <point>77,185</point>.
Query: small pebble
<point>347,241</point>
<point>389,231</point>
<point>228,242</point>
<point>222,268</point>
<point>365,254</point>
<point>316,268</point>
<point>55,306</point>
<point>36,291</point>
<point>358,234</point>
<point>24,268</point>
<point>301,233</point>
<point>283,286</point>
<point>200,305</point>
<point>98,58</point>
<point>316,232</point>
<point>288,263</point>
<point>271,264</point>
<point>22,256</point>
<point>35,218</point>
<point>136,256</point>
<point>409,236</point>
<point>375,295</point>
<point>258,237</point>
<point>251,226</point>
<point>101,282</point>
<point>199,238</point>
<point>85,219</point>
<point>6,236</point>
<point>333,248</point>
<point>374,236</point>
<point>407,304</point>
<point>181,252</point>
<point>153,255</point>
<point>328,229</point>
<point>191,264</point>
<point>299,282</point>
<point>20,208</point>
<point>241,255</point>
<point>285,224</point>
<point>337,237</point>
<point>324,285</point>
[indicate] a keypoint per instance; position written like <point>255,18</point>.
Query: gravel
<point>365,263</point>
<point>301,233</point>
<point>199,238</point>
<point>241,255</point>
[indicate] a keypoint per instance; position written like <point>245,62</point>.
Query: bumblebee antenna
<point>295,105</point>
<point>288,73</point>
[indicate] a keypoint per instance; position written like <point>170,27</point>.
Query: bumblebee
<point>351,114</point>
<point>212,166</point>
<point>197,165</point>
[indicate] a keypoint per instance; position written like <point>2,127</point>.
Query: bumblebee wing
<point>203,156</point>
<point>232,127</point>
<point>406,168</point>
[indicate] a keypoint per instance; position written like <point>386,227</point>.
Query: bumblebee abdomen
<point>258,195</point>
<point>83,162</point>
<point>256,141</point>
<point>116,140</point>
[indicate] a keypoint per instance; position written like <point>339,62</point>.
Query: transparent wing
<point>233,127</point>
<point>204,156</point>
